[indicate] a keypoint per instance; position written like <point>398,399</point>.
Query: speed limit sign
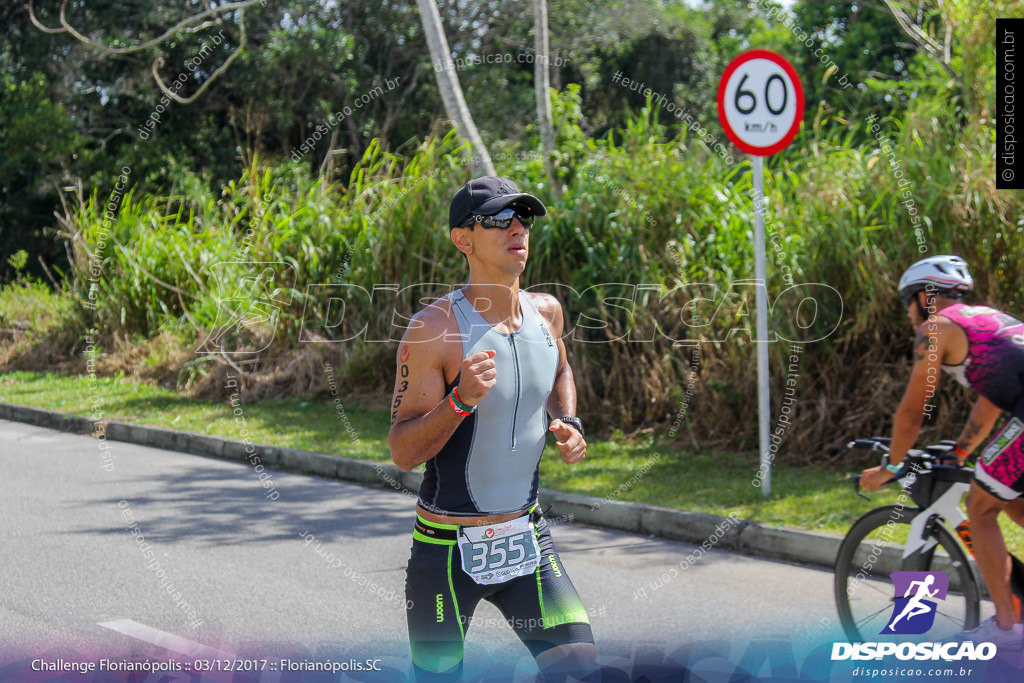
<point>760,102</point>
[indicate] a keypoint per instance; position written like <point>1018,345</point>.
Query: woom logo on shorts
<point>913,613</point>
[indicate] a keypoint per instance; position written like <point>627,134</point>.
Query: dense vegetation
<point>197,269</point>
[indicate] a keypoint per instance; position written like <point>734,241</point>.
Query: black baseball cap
<point>486,196</point>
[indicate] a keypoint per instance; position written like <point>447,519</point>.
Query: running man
<point>915,606</point>
<point>984,350</point>
<point>481,372</point>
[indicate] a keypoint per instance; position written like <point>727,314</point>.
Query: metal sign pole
<point>760,105</point>
<point>761,280</point>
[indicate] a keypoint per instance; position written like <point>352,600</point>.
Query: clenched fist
<point>479,374</point>
<point>875,478</point>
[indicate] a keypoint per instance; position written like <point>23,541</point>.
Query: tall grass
<point>646,248</point>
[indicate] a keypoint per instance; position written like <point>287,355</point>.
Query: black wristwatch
<point>575,422</point>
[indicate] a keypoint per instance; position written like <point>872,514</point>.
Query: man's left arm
<point>562,401</point>
<point>979,424</point>
<point>929,347</point>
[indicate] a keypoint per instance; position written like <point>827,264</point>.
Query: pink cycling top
<point>994,366</point>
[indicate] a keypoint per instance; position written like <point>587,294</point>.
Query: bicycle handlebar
<point>875,443</point>
<point>934,454</point>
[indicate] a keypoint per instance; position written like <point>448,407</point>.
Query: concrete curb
<point>725,533</point>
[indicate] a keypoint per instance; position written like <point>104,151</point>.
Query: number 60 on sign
<point>760,102</point>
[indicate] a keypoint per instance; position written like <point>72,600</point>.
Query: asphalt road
<point>313,569</point>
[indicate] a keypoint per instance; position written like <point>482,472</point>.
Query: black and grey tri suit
<point>490,466</point>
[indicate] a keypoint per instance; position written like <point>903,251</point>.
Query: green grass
<point>31,308</point>
<point>638,470</point>
<point>716,483</point>
<point>291,423</point>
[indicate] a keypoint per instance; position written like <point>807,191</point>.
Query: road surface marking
<point>163,639</point>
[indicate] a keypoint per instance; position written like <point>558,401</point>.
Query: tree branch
<point>221,69</point>
<point>182,25</point>
<point>940,53</point>
<point>39,25</point>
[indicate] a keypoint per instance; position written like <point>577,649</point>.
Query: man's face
<point>506,248</point>
<point>517,240</point>
<point>914,311</point>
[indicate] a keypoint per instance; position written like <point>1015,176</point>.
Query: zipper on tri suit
<point>515,408</point>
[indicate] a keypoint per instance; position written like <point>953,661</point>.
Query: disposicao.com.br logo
<point>913,613</point>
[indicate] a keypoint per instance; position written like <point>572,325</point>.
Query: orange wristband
<point>456,406</point>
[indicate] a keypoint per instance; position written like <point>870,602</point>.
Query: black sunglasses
<point>501,220</point>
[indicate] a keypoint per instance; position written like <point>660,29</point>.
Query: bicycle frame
<point>947,508</point>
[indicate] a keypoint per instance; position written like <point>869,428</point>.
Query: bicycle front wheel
<point>873,548</point>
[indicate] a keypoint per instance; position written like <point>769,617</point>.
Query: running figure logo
<point>916,592</point>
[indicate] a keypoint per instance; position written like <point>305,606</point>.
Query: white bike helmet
<point>946,275</point>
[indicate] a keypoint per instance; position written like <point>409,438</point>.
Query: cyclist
<point>984,350</point>
<point>479,372</point>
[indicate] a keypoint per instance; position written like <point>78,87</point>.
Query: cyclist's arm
<point>979,424</point>
<point>929,350</point>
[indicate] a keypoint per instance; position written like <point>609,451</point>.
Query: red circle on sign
<point>489,533</point>
<point>798,89</point>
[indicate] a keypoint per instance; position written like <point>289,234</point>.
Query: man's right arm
<point>422,420</point>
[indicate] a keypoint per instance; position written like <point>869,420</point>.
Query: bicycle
<point>924,536</point>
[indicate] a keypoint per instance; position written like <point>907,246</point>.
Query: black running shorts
<point>542,608</point>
